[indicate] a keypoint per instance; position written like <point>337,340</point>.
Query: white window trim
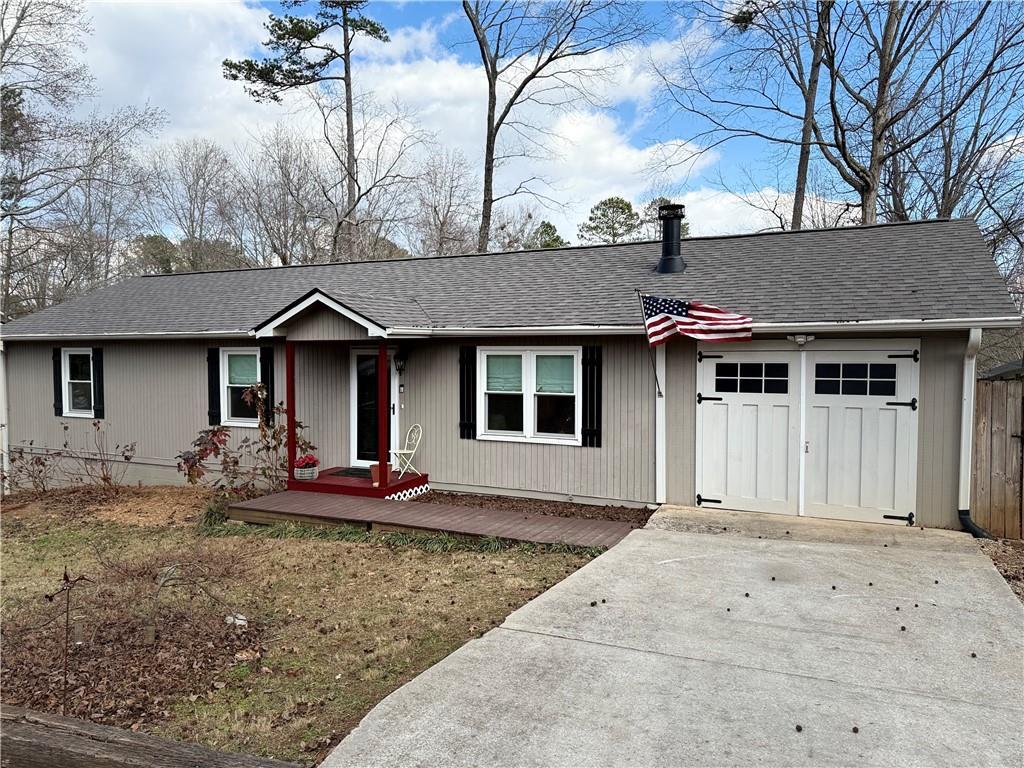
<point>65,381</point>
<point>529,433</point>
<point>225,352</point>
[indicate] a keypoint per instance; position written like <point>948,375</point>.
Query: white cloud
<point>170,54</point>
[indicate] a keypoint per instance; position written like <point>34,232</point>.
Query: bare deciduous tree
<point>542,53</point>
<point>444,219</point>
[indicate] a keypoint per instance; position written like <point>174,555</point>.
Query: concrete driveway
<point>687,649</point>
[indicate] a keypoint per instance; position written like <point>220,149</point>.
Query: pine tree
<point>544,236</point>
<point>612,220</point>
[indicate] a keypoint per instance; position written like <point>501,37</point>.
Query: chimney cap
<point>672,211</point>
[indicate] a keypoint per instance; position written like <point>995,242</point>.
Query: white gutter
<point>128,336</point>
<point>953,324</point>
<point>950,324</point>
<point>967,425</point>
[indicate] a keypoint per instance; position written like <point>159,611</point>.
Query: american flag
<point>664,317</point>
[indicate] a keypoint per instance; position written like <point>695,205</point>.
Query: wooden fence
<point>998,458</point>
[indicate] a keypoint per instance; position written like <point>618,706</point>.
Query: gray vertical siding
<point>621,469</point>
<point>680,420</point>
<point>938,446</point>
<point>325,325</point>
<point>321,399</point>
<point>155,395</point>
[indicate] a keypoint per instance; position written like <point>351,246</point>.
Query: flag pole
<point>650,349</point>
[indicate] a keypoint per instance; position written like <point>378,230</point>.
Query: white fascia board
<point>613,330</point>
<point>272,328</point>
<point>951,324</point>
<point>127,336</point>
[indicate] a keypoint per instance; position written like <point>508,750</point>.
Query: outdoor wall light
<point>400,359</point>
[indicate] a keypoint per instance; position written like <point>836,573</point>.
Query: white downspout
<point>967,435</point>
<point>660,429</point>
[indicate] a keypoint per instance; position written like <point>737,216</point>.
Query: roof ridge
<point>552,251</point>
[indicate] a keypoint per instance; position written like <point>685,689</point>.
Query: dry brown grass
<point>335,625</point>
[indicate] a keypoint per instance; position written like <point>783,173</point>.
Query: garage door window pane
<point>750,385</point>
<point>726,385</point>
<point>883,388</point>
<point>727,369</point>
<point>776,386</point>
<point>776,370</point>
<point>855,370</point>
<point>826,387</point>
<point>855,387</point>
<point>883,371</point>
<point>751,370</point>
<point>827,370</point>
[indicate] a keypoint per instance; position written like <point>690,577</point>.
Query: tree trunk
<point>800,191</point>
<point>348,227</point>
<point>880,116</point>
<point>484,238</point>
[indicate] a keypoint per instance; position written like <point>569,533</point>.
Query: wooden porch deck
<point>331,509</point>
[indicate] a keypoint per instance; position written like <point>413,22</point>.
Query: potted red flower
<point>306,467</point>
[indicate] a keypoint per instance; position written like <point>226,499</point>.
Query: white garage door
<point>827,430</point>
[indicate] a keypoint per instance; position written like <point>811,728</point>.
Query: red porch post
<point>289,399</point>
<point>383,412</point>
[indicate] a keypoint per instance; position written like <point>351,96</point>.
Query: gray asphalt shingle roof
<point>919,270</point>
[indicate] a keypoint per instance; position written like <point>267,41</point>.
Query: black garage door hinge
<point>912,404</point>
<point>701,500</point>
<point>701,398</point>
<point>915,356</point>
<point>909,518</point>
<point>702,356</point>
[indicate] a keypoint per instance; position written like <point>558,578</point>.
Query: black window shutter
<point>58,391</point>
<point>467,393</point>
<point>213,383</point>
<point>592,397</point>
<point>267,377</point>
<point>98,411</point>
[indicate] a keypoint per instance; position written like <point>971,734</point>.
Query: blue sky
<point>169,54</point>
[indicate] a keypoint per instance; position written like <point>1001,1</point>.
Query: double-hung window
<point>239,370</point>
<point>77,375</point>
<point>530,395</point>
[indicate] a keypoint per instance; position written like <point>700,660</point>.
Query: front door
<point>364,406</point>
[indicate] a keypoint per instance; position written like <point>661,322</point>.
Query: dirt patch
<point>1008,556</point>
<point>332,626</point>
<point>636,517</point>
<point>149,505</point>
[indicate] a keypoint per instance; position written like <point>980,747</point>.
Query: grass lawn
<point>335,620</point>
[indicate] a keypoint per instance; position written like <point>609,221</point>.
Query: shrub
<point>255,466</point>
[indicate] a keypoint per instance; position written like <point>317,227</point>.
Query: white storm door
<point>748,427</point>
<point>861,435</point>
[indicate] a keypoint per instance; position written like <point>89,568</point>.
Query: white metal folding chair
<point>404,457</point>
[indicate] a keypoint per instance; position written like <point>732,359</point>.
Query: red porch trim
<point>383,410</point>
<point>328,482</point>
